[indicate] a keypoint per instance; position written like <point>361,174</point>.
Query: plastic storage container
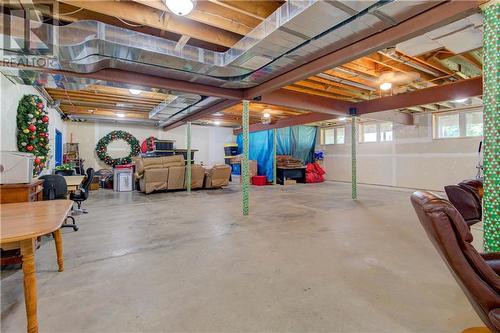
<point>259,180</point>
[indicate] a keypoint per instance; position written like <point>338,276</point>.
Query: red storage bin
<point>259,180</point>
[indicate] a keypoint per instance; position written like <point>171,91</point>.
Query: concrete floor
<point>308,259</point>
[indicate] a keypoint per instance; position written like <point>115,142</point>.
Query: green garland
<point>102,148</point>
<point>33,131</point>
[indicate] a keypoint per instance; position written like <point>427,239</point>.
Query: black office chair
<point>54,187</point>
<point>83,192</point>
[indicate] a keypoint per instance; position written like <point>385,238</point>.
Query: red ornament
<point>32,127</point>
<point>37,160</point>
<point>40,105</point>
<point>45,119</point>
<point>42,135</point>
<point>29,148</point>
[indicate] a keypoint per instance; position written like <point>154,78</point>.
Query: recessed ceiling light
<point>460,100</point>
<point>134,91</point>
<point>266,115</point>
<point>120,115</point>
<point>218,114</point>
<point>342,118</point>
<point>386,86</point>
<point>180,7</point>
<point>216,123</point>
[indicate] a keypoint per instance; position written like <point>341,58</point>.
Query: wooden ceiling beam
<point>256,9</point>
<point>311,91</point>
<point>325,87</point>
<point>213,15</point>
<point>140,14</point>
<point>446,92</point>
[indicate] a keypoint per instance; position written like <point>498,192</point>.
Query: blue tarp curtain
<point>297,141</point>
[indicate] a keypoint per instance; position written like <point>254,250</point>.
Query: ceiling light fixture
<point>266,115</point>
<point>342,118</point>
<point>134,91</point>
<point>386,86</point>
<point>216,123</point>
<point>120,115</point>
<point>218,114</point>
<point>460,100</point>
<point>180,7</point>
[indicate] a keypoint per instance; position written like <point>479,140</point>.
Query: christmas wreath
<point>32,131</point>
<point>102,148</point>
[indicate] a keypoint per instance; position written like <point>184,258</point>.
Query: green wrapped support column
<point>353,159</point>
<point>274,156</point>
<point>245,181</point>
<point>491,114</point>
<point>188,169</point>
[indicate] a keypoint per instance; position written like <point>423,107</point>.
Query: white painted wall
<point>208,140</point>
<point>413,159</point>
<point>10,94</point>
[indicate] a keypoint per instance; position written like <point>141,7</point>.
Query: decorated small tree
<point>32,130</point>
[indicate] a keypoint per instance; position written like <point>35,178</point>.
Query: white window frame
<point>462,125</point>
<point>334,128</point>
<point>361,133</point>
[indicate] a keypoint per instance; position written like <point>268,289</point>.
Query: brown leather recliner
<point>474,185</point>
<point>466,202</point>
<point>477,275</point>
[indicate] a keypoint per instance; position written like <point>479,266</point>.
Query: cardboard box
<point>290,182</point>
<point>252,169</point>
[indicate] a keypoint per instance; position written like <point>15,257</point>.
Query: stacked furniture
<point>169,173</point>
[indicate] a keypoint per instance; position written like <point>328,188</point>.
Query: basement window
<point>386,132</point>
<point>458,124</point>
<point>375,132</point>
<point>333,135</point>
<point>368,133</point>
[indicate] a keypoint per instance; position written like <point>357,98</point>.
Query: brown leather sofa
<point>217,176</point>
<point>477,274</point>
<point>467,199</point>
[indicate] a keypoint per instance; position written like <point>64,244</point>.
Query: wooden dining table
<point>73,182</point>
<point>22,223</point>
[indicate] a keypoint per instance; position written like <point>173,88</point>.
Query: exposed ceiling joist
<point>213,15</point>
<point>446,92</point>
<point>139,14</point>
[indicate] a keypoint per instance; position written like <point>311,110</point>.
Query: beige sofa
<point>168,173</point>
<point>217,176</point>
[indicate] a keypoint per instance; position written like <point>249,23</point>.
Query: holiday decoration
<point>102,148</point>
<point>33,138</point>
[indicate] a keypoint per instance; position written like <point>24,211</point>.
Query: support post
<point>245,182</point>
<point>274,155</point>
<point>188,169</point>
<point>353,159</point>
<point>491,119</point>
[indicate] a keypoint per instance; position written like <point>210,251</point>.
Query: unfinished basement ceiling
<point>433,64</point>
